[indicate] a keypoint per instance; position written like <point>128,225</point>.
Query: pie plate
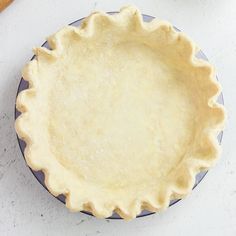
<point>39,174</point>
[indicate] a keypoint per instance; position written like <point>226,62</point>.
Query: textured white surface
<point>27,209</point>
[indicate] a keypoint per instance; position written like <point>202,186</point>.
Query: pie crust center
<point>118,118</point>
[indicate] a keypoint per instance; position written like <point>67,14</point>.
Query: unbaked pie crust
<point>119,115</point>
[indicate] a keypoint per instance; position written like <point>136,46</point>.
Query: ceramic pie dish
<point>119,97</point>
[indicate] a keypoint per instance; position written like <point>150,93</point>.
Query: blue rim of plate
<point>39,174</point>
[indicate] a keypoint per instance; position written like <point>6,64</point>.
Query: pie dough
<point>119,115</point>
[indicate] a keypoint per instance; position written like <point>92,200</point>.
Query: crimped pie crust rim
<point>192,167</point>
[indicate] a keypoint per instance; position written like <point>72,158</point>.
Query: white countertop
<point>26,208</point>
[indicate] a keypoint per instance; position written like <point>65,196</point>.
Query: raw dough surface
<point>119,115</point>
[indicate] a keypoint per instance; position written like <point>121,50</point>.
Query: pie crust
<point>119,115</point>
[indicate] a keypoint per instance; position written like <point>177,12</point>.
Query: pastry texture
<point>119,115</point>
